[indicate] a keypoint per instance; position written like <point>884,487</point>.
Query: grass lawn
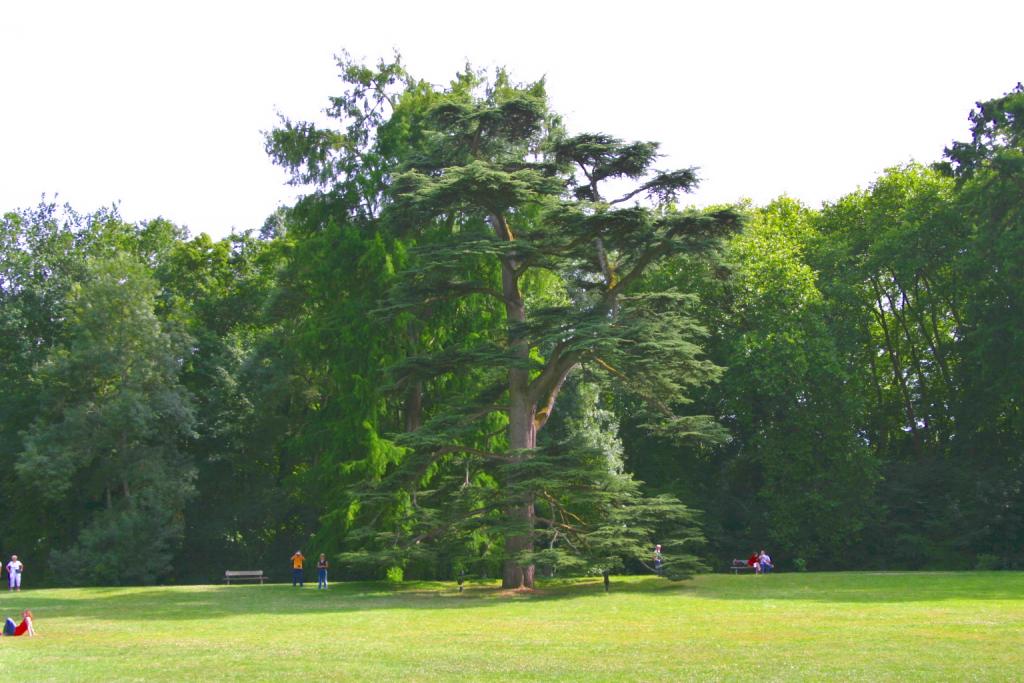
<point>848,626</point>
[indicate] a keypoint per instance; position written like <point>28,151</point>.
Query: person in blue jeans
<point>766,562</point>
<point>321,572</point>
<point>297,577</point>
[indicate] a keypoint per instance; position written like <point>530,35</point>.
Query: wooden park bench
<point>738,566</point>
<point>247,575</point>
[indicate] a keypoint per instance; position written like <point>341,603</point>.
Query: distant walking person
<point>321,572</point>
<point>765,562</point>
<point>14,569</point>
<point>657,559</point>
<point>297,578</point>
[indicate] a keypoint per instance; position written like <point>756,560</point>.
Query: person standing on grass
<point>321,572</point>
<point>657,559</point>
<point>765,562</point>
<point>297,578</point>
<point>14,569</point>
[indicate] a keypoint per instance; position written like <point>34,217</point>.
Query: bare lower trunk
<point>515,575</point>
<point>522,433</point>
<point>414,394</point>
<point>414,407</point>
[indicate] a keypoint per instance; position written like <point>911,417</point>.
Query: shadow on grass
<point>282,600</point>
<point>203,602</point>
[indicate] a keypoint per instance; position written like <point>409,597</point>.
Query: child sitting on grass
<point>23,629</point>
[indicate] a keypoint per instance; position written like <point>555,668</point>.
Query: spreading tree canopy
<point>505,211</point>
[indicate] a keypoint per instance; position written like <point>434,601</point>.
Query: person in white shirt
<point>14,569</point>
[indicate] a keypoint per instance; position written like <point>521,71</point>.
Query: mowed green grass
<point>845,626</point>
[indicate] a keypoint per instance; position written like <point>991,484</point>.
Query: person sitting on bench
<point>754,562</point>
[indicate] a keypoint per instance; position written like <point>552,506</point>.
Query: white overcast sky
<point>160,106</point>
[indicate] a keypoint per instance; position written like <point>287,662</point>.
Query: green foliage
<point>793,476</point>
<point>218,290</point>
<point>126,544</point>
<point>986,562</point>
<point>989,291</point>
<point>997,139</point>
<point>111,421</point>
<point>787,380</point>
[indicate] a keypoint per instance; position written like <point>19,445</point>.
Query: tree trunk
<point>414,407</point>
<point>515,575</point>
<point>522,437</point>
<point>938,347</point>
<point>900,316</point>
<point>414,394</point>
<point>877,415</point>
<point>522,428</point>
<point>897,369</point>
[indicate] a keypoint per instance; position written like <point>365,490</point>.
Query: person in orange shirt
<point>297,576</point>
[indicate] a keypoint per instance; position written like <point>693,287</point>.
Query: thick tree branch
<point>547,405</point>
<point>501,227</point>
<point>645,260</point>
<point>561,525</point>
<point>629,195</point>
<point>551,377</point>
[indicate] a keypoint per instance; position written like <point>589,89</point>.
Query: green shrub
<point>986,562</point>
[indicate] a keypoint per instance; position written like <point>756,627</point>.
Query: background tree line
<point>460,352</point>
